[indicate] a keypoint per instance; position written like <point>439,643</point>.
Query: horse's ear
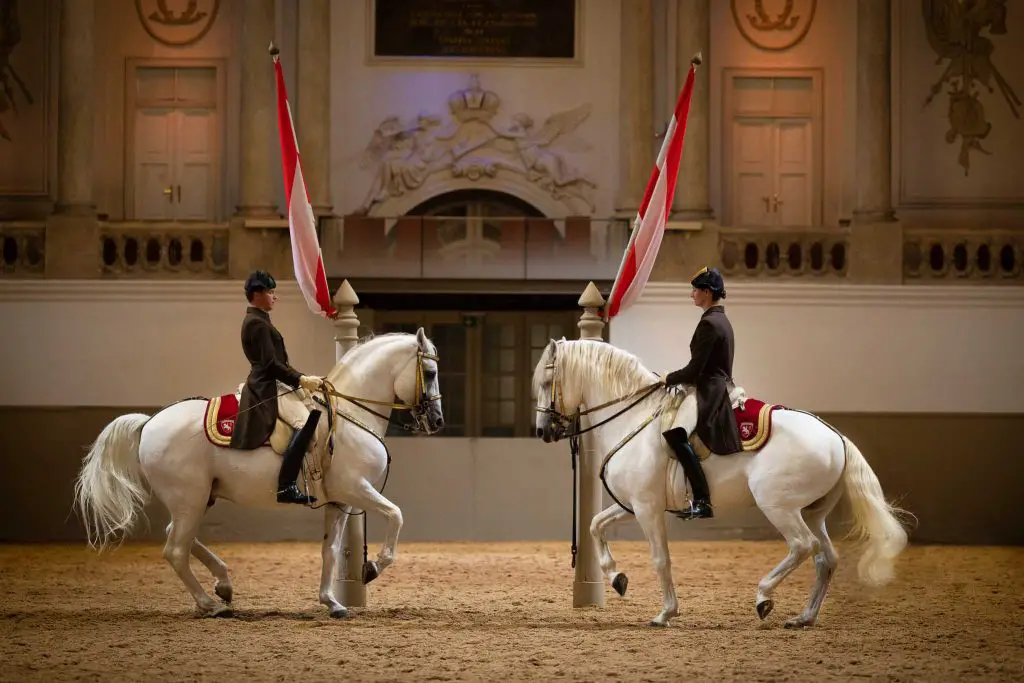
<point>551,346</point>
<point>421,337</point>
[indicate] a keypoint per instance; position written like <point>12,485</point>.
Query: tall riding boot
<point>701,505</point>
<point>287,490</point>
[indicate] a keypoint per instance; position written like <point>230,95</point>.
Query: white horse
<point>796,478</point>
<point>187,472</point>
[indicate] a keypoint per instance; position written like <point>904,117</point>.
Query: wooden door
<point>793,199</point>
<point>154,164</point>
<point>194,167</point>
<point>754,171</point>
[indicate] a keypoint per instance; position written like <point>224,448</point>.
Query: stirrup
<point>291,494</point>
<point>699,509</point>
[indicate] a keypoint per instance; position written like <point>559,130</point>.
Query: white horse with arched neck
<point>795,479</point>
<point>167,454</point>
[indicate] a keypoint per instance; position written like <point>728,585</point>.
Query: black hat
<point>258,281</point>
<point>710,279</point>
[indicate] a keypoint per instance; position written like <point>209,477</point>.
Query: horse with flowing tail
<point>167,455</point>
<point>794,467</point>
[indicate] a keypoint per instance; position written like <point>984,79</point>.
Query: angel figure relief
<point>402,157</point>
<point>10,36</point>
<point>539,151</point>
<point>954,32</point>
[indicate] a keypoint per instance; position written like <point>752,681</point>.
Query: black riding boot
<point>701,505</point>
<point>287,490</point>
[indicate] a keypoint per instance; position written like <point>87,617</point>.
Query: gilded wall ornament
<point>773,25</point>
<point>954,32</point>
<point>11,84</point>
<point>183,24</point>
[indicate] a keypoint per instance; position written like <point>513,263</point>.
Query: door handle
<point>169,191</point>
<point>179,194</point>
<point>767,206</point>
<point>778,203</point>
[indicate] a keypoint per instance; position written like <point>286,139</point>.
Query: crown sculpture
<point>407,157</point>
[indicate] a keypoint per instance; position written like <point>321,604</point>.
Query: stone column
<point>350,580</point>
<point>258,113</point>
<point>75,105</point>
<point>873,174</point>
<point>588,583</point>
<point>636,104</point>
<point>313,124</point>
<point>693,36</point>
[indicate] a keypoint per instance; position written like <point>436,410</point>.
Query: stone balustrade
<point>22,249</point>
<point>808,254</point>
<point>137,250</point>
<point>984,257</point>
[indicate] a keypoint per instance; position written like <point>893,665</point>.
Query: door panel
<point>795,173</point>
<point>154,164</point>
<point>753,168</point>
<point>194,173</point>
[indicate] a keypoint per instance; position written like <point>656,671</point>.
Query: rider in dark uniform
<point>710,371</point>
<point>258,408</point>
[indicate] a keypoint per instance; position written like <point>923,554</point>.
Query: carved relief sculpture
<point>403,156</point>
<point>954,31</point>
<point>188,25</point>
<point>11,84</point>
<point>773,25</point>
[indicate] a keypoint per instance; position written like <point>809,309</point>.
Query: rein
<point>564,421</point>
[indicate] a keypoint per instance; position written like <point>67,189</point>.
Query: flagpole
<point>695,61</point>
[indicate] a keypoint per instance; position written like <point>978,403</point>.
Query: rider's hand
<point>311,383</point>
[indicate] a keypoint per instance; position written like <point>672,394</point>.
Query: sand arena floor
<point>503,611</point>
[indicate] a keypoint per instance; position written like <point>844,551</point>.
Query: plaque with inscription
<point>531,29</point>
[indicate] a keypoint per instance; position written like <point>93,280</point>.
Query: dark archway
<point>481,203</point>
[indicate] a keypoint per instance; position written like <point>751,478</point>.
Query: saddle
<point>219,423</point>
<point>753,420</point>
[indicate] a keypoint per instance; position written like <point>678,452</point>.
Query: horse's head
<point>416,384</point>
<point>555,394</point>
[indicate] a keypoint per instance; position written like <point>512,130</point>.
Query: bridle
<point>561,421</point>
<point>564,424</point>
<point>418,410</point>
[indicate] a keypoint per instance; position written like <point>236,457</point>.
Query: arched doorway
<point>482,233</point>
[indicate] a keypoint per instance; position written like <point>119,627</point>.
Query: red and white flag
<point>306,256</point>
<point>649,224</point>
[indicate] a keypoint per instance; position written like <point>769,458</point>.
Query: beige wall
<point>944,439</point>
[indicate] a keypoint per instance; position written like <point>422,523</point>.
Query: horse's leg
<point>801,544</point>
<point>367,498</point>
<point>217,567</point>
<point>598,527</point>
<point>652,521</point>
<point>181,535</point>
<point>825,562</point>
<point>330,553</point>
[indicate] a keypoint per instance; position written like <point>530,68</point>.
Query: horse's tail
<point>110,489</point>
<point>874,519</point>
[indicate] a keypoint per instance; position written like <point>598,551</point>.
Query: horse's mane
<point>371,337</point>
<point>597,362</point>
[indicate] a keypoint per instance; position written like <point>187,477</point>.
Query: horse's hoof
<point>224,591</point>
<point>619,583</point>
<point>659,624</point>
<point>764,608</point>
<point>798,622</point>
<point>338,612</point>
<point>371,570</point>
<point>217,611</point>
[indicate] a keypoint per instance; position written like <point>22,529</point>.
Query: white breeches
<point>290,407</point>
<point>686,416</point>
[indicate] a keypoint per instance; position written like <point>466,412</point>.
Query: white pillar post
<point>588,584</point>
<point>350,578</point>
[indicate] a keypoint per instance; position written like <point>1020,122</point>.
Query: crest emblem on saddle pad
<point>226,426</point>
<point>746,430</point>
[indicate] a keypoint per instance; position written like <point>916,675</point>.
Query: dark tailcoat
<point>257,410</point>
<point>710,370</point>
